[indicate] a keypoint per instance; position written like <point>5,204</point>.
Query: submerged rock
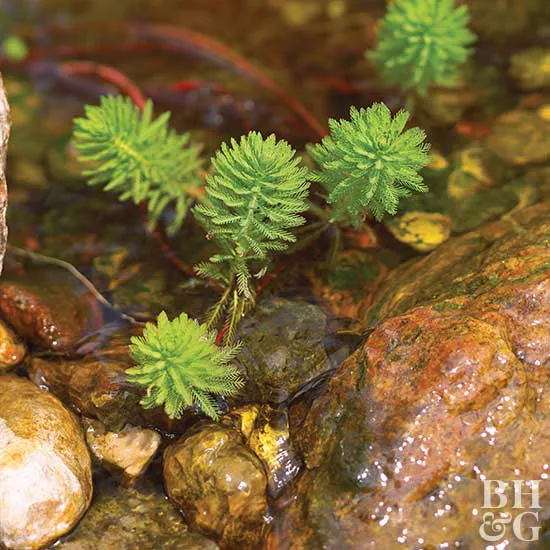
<point>220,485</point>
<point>266,431</point>
<point>12,349</point>
<point>282,349</point>
<point>450,388</point>
<point>531,68</point>
<point>45,470</point>
<point>48,307</point>
<point>422,231</point>
<point>336,283</point>
<point>520,137</point>
<point>130,450</point>
<point>136,518</point>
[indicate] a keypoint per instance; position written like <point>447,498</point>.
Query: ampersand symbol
<point>495,525</point>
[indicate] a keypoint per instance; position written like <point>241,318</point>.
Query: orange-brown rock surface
<point>450,388</point>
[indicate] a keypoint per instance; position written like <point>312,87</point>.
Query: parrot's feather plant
<point>139,158</point>
<point>179,364</point>
<point>422,42</point>
<point>255,197</point>
<point>369,163</point>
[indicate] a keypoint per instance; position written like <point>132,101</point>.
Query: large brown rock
<point>4,137</point>
<point>45,469</point>
<point>449,389</point>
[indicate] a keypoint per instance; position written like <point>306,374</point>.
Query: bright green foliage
<point>422,42</point>
<point>369,163</point>
<point>254,198</point>
<point>179,364</point>
<point>15,48</point>
<point>139,158</point>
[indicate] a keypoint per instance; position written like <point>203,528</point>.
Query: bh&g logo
<point>524,524</point>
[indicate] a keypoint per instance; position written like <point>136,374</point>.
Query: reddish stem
<point>107,74</point>
<point>221,333</point>
<point>177,38</point>
<point>170,255</point>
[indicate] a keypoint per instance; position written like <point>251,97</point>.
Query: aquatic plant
<point>421,42</point>
<point>139,158</point>
<point>256,190</point>
<point>179,364</point>
<point>255,196</point>
<point>369,163</point>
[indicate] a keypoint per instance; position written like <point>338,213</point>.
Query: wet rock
<point>139,517</point>
<point>270,440</point>
<point>220,485</point>
<point>449,389</point>
<point>48,307</point>
<point>12,350</point>
<point>130,450</point>
<point>520,137</point>
<point>96,386</point>
<point>266,432</point>
<point>45,470</point>
<point>473,211</point>
<point>282,349</point>
<point>531,68</point>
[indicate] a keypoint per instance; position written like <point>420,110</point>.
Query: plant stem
<point>335,245</point>
<point>410,103</point>
<point>318,211</point>
<point>41,258</point>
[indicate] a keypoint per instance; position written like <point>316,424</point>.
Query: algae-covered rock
<point>531,68</point>
<point>220,485</point>
<point>422,231</point>
<point>130,450</point>
<point>469,175</point>
<point>450,388</point>
<point>45,469</point>
<point>336,283</point>
<point>136,518</point>
<point>520,137</point>
<point>48,307</point>
<point>12,349</point>
<point>282,349</point>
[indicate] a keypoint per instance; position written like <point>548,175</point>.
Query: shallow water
<point>313,49</point>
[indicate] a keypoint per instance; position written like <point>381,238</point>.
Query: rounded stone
<point>45,468</point>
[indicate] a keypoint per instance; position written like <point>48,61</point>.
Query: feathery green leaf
<point>255,196</point>
<point>140,159</point>
<point>421,42</point>
<point>369,163</point>
<point>179,364</point>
